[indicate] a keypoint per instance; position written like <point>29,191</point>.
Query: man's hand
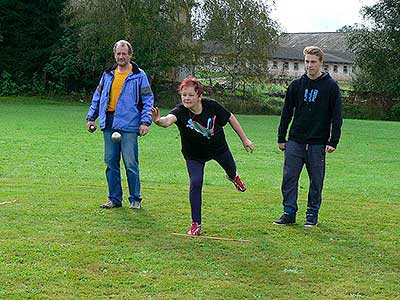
<point>143,130</point>
<point>329,149</point>
<point>248,145</point>
<point>282,146</point>
<point>91,126</point>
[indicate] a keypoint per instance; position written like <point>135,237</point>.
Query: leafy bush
<point>394,113</point>
<point>7,86</point>
<point>267,106</point>
<point>166,98</point>
<point>364,111</point>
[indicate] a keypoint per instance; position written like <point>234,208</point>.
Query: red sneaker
<point>238,183</point>
<point>195,229</point>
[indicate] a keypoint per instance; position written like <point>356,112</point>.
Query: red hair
<point>192,81</point>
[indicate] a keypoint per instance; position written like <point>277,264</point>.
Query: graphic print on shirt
<point>310,95</point>
<point>207,132</point>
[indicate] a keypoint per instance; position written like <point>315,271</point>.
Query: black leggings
<point>196,174</point>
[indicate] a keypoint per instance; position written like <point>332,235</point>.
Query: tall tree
<point>242,35</point>
<point>154,28</point>
<point>377,48</point>
<point>28,32</point>
<point>63,69</point>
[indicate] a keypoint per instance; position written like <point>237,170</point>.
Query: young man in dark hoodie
<point>314,102</point>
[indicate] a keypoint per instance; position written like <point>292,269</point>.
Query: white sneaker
<point>135,205</point>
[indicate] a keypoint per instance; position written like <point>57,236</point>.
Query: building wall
<point>295,68</point>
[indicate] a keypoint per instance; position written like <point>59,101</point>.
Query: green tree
<point>376,48</point>
<point>156,29</point>
<point>62,71</point>
<point>28,32</point>
<point>241,35</point>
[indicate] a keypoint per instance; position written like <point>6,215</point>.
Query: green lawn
<point>56,243</point>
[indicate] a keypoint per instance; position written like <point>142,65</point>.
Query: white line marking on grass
<point>8,202</point>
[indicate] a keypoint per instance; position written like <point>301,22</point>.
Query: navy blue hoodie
<point>317,108</point>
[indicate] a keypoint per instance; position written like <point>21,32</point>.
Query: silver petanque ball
<point>116,136</point>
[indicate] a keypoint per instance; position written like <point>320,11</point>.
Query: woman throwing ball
<point>200,123</point>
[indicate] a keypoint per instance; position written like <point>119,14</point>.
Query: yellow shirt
<point>116,88</point>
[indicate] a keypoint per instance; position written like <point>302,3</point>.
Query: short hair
<point>123,43</point>
<point>192,81</point>
<point>314,50</point>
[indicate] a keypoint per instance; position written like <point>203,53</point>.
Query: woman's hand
<point>155,114</point>
<point>248,145</point>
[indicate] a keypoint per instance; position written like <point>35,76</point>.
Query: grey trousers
<point>296,156</point>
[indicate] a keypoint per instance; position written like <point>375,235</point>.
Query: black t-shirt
<point>202,135</point>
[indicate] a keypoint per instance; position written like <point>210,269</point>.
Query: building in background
<point>287,62</point>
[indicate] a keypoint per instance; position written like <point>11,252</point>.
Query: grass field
<point>56,243</point>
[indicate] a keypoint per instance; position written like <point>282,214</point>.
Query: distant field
<point>56,243</point>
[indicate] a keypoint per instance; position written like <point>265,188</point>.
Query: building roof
<point>333,44</point>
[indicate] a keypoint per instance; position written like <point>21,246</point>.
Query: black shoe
<point>109,204</point>
<point>286,219</point>
<point>311,220</point>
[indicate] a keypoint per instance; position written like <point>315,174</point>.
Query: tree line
<point>61,46</point>
<point>64,45</point>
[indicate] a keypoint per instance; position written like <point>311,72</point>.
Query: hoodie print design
<point>310,95</point>
<point>207,132</point>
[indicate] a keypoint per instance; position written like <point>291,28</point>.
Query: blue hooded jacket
<point>134,103</point>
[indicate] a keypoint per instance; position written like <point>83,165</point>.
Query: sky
<point>317,15</point>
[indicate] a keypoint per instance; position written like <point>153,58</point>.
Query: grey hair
<point>123,43</point>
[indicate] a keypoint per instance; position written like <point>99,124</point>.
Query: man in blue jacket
<point>315,104</point>
<point>122,102</point>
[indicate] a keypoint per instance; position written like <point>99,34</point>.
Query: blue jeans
<point>128,147</point>
<point>196,173</point>
<point>296,155</point>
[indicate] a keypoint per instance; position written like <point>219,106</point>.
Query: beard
<point>122,63</point>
